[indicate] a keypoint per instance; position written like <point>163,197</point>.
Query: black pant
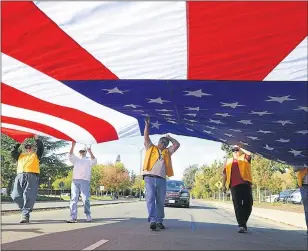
<point>242,202</point>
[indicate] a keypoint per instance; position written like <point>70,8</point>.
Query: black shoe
<point>242,230</point>
<point>153,226</point>
<point>160,226</point>
<point>24,219</point>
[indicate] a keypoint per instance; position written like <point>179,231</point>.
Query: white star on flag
<point>253,138</point>
<point>189,129</point>
<point>199,93</point>
<point>260,113</point>
<point>191,114</point>
<point>191,120</point>
<point>166,114</point>
<point>132,106</point>
<point>235,130</point>
<point>244,143</point>
<point>281,161</point>
<point>208,132</point>
<point>229,135</point>
<point>157,100</point>
<point>232,105</point>
<point>216,121</point>
<point>245,122</point>
<point>223,140</point>
<point>114,90</point>
<point>302,132</point>
<point>304,108</point>
<point>156,125</point>
<point>296,153</point>
<point>171,121</point>
<point>283,140</point>
<point>223,114</point>
<point>212,127</point>
<point>163,110</point>
<point>284,122</point>
<point>279,99</point>
<point>265,132</point>
<point>268,148</point>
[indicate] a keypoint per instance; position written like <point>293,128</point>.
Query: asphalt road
<point>124,226</point>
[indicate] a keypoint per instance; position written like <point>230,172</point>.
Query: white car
<point>295,197</point>
<point>273,198</point>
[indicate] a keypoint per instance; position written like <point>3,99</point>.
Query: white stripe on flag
<point>135,40</point>
<point>294,67</point>
<point>24,129</point>
<point>72,130</point>
<point>39,85</point>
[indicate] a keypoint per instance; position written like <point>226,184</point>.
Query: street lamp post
<point>49,179</point>
<point>140,150</point>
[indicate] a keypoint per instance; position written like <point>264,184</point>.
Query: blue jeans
<point>155,198</point>
<point>304,193</point>
<point>24,192</point>
<point>80,187</point>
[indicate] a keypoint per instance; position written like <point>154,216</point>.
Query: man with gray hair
<point>81,181</point>
<point>157,165</point>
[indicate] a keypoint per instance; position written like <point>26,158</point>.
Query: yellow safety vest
<point>300,175</point>
<point>244,167</point>
<point>28,163</point>
<point>152,155</point>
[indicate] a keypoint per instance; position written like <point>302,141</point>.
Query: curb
<point>283,217</point>
<point>3,212</point>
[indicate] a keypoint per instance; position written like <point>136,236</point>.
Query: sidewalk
<point>43,205</point>
<point>289,218</point>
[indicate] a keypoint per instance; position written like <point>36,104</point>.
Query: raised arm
<point>72,158</point>
<point>40,147</point>
<point>246,152</point>
<point>15,153</point>
<point>175,144</point>
<point>147,140</point>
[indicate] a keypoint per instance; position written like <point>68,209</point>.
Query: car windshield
<point>175,184</point>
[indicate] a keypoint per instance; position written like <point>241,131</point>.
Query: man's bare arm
<point>175,143</point>
<point>147,140</point>
<point>72,148</point>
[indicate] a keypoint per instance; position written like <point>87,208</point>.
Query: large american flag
<point>233,72</point>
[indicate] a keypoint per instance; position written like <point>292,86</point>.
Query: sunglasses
<point>235,150</point>
<point>164,142</point>
<point>28,147</point>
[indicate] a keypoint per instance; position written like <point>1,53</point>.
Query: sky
<point>192,151</point>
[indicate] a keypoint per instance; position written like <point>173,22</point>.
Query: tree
<point>138,184</point>
<point>189,175</point>
<point>227,149</point>
<point>133,177</point>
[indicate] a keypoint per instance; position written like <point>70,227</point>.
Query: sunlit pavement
<point>124,226</point>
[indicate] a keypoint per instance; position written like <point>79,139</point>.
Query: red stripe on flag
<point>242,40</point>
<point>17,135</point>
<point>101,130</point>
<point>29,36</point>
<point>36,126</point>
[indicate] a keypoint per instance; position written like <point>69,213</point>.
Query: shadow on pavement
<point>134,234</point>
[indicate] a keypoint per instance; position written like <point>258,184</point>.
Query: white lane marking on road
<point>96,245</point>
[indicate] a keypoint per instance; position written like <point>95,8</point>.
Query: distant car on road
<point>295,197</point>
<point>177,194</point>
<point>284,195</point>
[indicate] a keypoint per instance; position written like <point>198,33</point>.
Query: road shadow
<point>134,234</point>
<point>23,230</point>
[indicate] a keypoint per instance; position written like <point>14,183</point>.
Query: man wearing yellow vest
<point>26,183</point>
<point>237,176</point>
<point>157,165</point>
<point>302,179</point>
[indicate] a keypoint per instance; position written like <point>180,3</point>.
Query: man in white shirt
<point>81,181</point>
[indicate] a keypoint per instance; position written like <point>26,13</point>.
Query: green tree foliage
<point>227,149</point>
<point>189,175</point>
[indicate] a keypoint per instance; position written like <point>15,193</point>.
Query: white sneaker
<point>89,219</point>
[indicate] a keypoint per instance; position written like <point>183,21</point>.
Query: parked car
<point>272,198</point>
<point>295,197</point>
<point>177,194</point>
<point>284,195</point>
